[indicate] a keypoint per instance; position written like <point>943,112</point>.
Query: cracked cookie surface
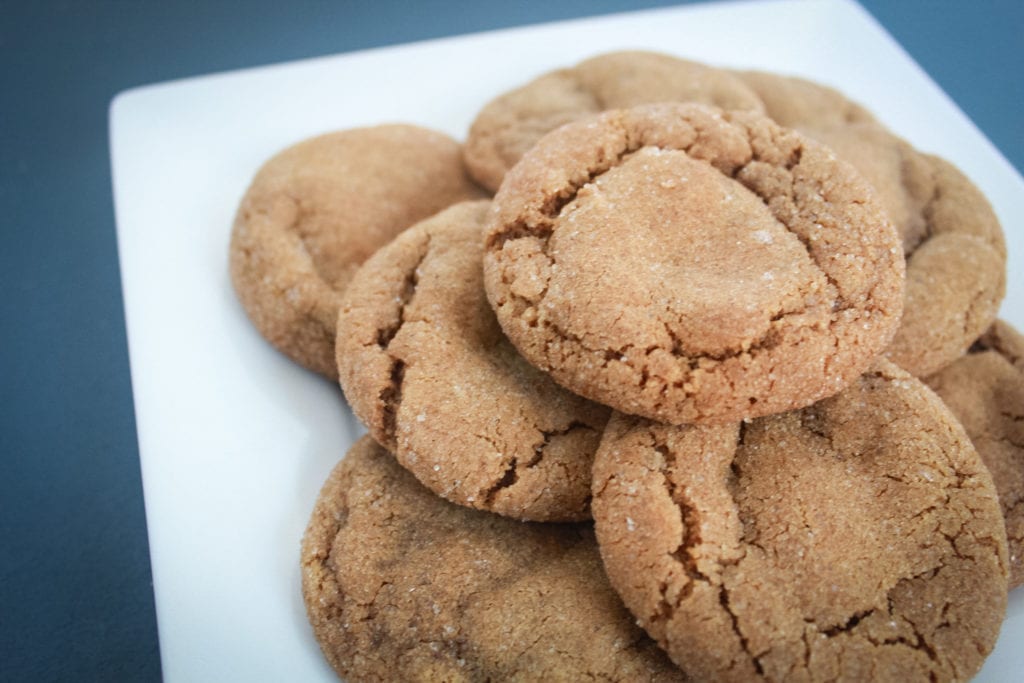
<point>856,539</point>
<point>985,390</point>
<point>692,265</point>
<point>952,240</point>
<point>425,366</point>
<point>514,121</point>
<point>401,585</point>
<point>317,210</point>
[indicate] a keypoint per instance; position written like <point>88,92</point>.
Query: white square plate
<point>235,440</point>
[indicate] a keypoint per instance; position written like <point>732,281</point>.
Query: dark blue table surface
<point>75,585</point>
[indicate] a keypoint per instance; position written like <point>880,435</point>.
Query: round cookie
<point>954,246</point>
<point>317,210</point>
<point>400,585</point>
<point>425,366</point>
<point>985,390</point>
<point>856,539</point>
<point>692,265</point>
<point>513,122</point>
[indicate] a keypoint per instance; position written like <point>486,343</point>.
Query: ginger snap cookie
<point>857,539</point>
<point>401,585</point>
<point>513,122</point>
<point>952,240</point>
<point>985,390</point>
<point>692,265</point>
<point>317,210</point>
<point>424,364</point>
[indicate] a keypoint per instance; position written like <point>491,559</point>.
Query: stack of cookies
<point>659,408</point>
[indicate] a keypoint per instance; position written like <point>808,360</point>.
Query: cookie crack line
<point>927,212</point>
<point>840,304</point>
<point>302,215</point>
<point>547,435</point>
<point>683,554</point>
<point>723,591</point>
<point>1012,417</point>
<point>971,313</point>
<point>919,643</point>
<point>849,624</point>
<point>390,396</point>
<point>723,600</point>
<point>690,519</point>
<point>323,557</point>
<point>510,476</point>
<point>409,285</point>
<point>553,206</point>
<point>989,342</point>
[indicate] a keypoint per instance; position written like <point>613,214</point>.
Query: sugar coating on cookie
<point>425,366</point>
<point>317,210</point>
<point>514,121</point>
<point>952,240</point>
<point>856,539</point>
<point>401,585</point>
<point>985,390</point>
<point>692,265</point>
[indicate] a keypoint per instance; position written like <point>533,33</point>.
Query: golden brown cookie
<point>857,539</point>
<point>689,265</point>
<point>425,366</point>
<point>511,124</point>
<point>317,210</point>
<point>400,585</point>
<point>985,390</point>
<point>956,255</point>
